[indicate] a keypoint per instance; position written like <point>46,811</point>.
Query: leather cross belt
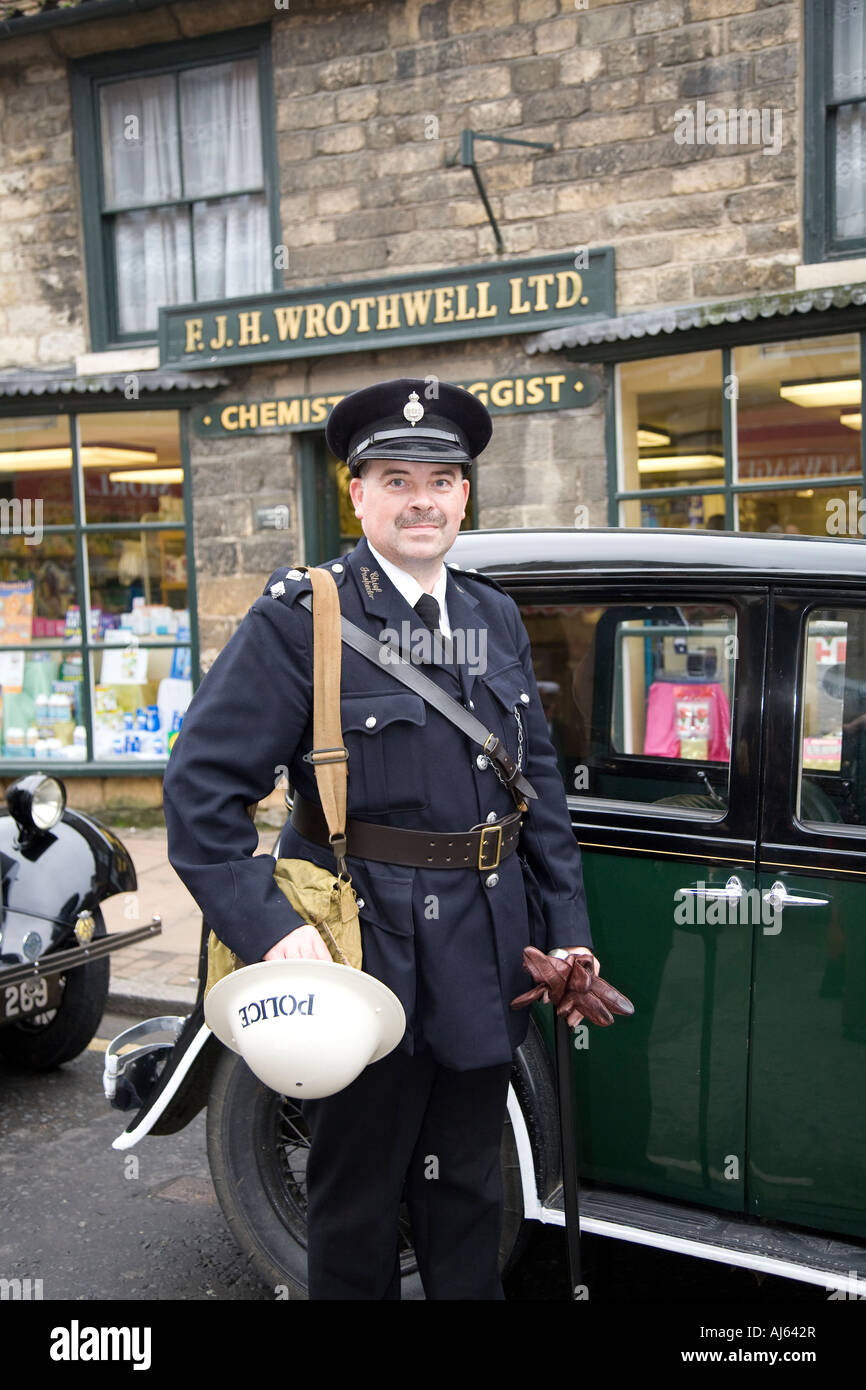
<point>483,847</point>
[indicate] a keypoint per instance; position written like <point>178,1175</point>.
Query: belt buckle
<point>482,848</point>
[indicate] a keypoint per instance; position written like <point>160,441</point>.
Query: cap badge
<point>413,410</point>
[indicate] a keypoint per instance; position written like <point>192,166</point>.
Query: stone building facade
<point>679,133</point>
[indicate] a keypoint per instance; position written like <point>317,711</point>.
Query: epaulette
<point>460,573</point>
<point>286,584</point>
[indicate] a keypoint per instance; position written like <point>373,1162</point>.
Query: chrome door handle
<point>778,896</point>
<point>732,891</point>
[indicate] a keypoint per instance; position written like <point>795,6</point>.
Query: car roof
<point>636,550</point>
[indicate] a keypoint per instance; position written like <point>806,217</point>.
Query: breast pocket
<point>511,700</point>
<point>383,733</point>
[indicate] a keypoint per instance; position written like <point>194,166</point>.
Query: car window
<point>639,699</point>
<point>832,771</point>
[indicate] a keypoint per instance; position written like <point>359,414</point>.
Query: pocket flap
<point>508,685</point>
<point>369,714</point>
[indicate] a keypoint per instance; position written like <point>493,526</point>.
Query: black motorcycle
<point>56,866</point>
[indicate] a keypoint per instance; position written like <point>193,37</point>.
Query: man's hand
<point>582,951</point>
<point>304,943</point>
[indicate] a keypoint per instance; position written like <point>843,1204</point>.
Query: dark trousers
<point>407,1127</point>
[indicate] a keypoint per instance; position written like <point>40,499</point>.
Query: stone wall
<point>370,100</point>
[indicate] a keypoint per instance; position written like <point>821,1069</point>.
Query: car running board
<point>811,1259</point>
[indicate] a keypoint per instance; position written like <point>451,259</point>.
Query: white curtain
<point>849,80</point>
<point>149,158</point>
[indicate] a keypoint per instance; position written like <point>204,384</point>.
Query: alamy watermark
<point>743,125</point>
<point>22,517</point>
<point>713,906</point>
<point>468,647</point>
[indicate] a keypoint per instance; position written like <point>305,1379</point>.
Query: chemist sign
<point>525,296</point>
<point>503,395</point>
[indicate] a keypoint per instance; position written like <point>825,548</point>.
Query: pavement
<point>159,975</point>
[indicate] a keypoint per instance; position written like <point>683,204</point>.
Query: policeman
<point>444,924</point>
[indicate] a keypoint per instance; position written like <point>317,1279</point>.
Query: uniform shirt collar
<point>408,586</point>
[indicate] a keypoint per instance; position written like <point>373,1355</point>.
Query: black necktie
<point>428,611</point>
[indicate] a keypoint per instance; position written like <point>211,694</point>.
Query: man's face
<point>410,512</point>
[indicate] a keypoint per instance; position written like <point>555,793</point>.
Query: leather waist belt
<point>482,847</point>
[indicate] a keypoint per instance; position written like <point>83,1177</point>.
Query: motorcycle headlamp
<point>37,802</point>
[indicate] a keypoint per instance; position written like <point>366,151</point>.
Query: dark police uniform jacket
<point>448,942</point>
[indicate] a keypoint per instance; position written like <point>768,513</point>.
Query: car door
<point>807,1083</point>
<point>653,693</point>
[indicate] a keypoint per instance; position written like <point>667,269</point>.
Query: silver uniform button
<point>524,697</point>
<point>471,704</point>
<point>491,880</point>
<point>491,818</point>
<point>370,721</point>
<point>337,569</point>
<point>360,903</point>
<point>482,761</point>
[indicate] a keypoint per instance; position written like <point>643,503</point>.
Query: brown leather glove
<point>573,990</point>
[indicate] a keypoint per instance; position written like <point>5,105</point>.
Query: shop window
<point>835,183</point>
<point>672,446</point>
<point>798,422</point>
<point>95,633</point>
<point>639,699</point>
<point>178,200</point>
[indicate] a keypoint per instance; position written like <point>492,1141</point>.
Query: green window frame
<point>87,76</point>
<point>820,242</point>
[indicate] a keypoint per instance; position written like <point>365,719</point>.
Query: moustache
<point>436,519</point>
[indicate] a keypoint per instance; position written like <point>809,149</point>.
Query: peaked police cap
<point>415,419</point>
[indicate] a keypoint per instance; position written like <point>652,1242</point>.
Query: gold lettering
<point>416,306</point>
<point>388,306</point>
<point>479,389</point>
<point>518,390</point>
<point>339,305</point>
<point>250,327</point>
<point>518,305</point>
<point>288,412</point>
<point>220,340</point>
<point>502,393</point>
<point>443,296</point>
<point>485,310</point>
<point>563,277</point>
<point>463,312</point>
<point>540,282</point>
<point>535,390</point>
<point>267,413</point>
<point>228,417</point>
<point>318,409</point>
<point>305,410</point>
<point>363,306</point>
<point>554,382</point>
<point>288,318</point>
<point>316,321</point>
<point>193,328</point>
<point>247,417</point>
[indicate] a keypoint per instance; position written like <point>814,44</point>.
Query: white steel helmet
<point>306,1028</point>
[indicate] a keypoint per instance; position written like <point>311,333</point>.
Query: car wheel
<point>257,1145</point>
<point>45,1040</point>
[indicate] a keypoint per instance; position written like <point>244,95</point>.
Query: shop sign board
<point>488,300</point>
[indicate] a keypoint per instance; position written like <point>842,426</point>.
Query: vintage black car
<point>56,866</point>
<point>706,697</point>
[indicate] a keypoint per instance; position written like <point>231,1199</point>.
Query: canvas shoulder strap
<point>328,755</point>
